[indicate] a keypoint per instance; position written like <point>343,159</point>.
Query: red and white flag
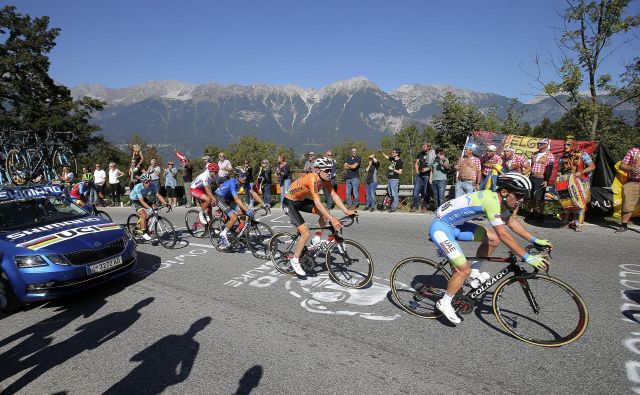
<point>181,156</point>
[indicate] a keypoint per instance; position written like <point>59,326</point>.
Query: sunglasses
<point>325,171</point>
<point>518,195</point>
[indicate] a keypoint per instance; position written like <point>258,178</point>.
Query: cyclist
<point>141,198</point>
<point>500,208</point>
<point>231,204</point>
<point>81,191</point>
<point>201,188</point>
<point>303,196</point>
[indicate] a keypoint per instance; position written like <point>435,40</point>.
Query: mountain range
<point>188,117</point>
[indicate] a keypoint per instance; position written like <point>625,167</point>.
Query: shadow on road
<point>165,363</point>
<point>250,380</point>
<point>88,337</point>
<point>37,338</point>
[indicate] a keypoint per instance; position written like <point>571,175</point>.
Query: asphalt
<point>194,320</point>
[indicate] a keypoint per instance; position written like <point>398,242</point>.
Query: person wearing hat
<point>469,171</point>
<point>514,163</point>
<point>489,162</point>
<point>170,183</point>
<point>541,167</point>
<point>579,163</point>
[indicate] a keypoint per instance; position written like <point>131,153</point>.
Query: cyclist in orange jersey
<point>303,196</point>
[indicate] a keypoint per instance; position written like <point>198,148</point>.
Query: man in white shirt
<point>225,166</point>
<point>99,180</point>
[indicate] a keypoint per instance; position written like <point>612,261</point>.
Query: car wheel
<point>8,300</point>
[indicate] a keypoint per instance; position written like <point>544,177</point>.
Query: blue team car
<point>51,247</point>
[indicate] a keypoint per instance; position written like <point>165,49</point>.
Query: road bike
<point>347,262</point>
<point>253,234</point>
<point>38,156</point>
<point>159,228</point>
<point>531,306</point>
<point>198,229</point>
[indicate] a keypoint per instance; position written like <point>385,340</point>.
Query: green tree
<point>491,121</point>
<point>512,123</point>
<point>455,122</point>
<point>586,42</point>
<point>29,98</point>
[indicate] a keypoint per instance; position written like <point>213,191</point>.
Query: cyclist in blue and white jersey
<point>452,223</point>
<point>141,197</point>
<point>231,204</point>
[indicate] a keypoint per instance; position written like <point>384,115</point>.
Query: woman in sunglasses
<point>453,222</point>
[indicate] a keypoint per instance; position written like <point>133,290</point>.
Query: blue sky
<point>487,46</point>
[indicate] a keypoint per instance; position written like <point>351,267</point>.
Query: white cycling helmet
<point>514,182</point>
<point>323,163</point>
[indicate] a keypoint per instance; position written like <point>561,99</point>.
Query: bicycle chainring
<point>463,304</point>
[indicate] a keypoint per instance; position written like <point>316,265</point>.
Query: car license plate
<point>102,266</point>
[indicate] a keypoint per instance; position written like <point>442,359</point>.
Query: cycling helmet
<point>514,182</point>
<point>323,163</point>
<point>145,177</point>
<point>87,177</point>
<point>239,170</point>
<point>213,167</point>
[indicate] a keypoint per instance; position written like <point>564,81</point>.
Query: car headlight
<point>30,261</point>
<point>38,260</point>
<point>58,259</point>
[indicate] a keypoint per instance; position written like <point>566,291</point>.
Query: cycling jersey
<point>474,205</point>
<point>203,180</point>
<point>451,222</point>
<point>139,191</point>
<point>80,190</point>
<point>307,186</point>
<point>229,189</point>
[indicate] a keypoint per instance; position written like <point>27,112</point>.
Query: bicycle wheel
<point>17,167</point>
<point>257,238</point>
<point>349,264</point>
<point>281,247</point>
<point>103,214</point>
<point>417,284</point>
<point>194,226</point>
<point>63,157</point>
<point>132,225</point>
<point>165,233</point>
<point>540,310</point>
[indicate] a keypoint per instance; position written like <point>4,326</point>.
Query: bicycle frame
<point>512,267</point>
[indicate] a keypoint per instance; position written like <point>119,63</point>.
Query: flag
<point>181,157</point>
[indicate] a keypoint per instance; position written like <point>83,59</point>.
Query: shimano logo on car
<point>26,193</point>
<point>45,228</point>
<point>489,283</point>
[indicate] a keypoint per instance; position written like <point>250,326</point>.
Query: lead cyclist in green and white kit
<point>500,208</point>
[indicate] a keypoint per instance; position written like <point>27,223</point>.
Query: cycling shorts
<point>444,236</point>
<point>198,193</point>
<point>137,206</point>
<point>228,206</point>
<point>292,208</point>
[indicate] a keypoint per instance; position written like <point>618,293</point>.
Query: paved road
<point>193,320</point>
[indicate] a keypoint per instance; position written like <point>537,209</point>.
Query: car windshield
<point>21,214</point>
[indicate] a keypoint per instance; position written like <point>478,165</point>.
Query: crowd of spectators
<point>432,171</point>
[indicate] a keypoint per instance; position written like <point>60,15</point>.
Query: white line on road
<point>202,245</point>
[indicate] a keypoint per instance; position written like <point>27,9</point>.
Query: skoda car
<point>51,247</point>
